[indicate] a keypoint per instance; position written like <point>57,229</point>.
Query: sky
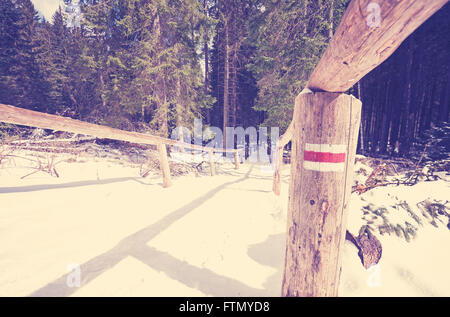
<point>47,7</point>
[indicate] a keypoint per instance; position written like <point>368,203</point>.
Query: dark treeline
<point>158,64</point>
<point>125,64</point>
<point>408,94</point>
<point>263,53</point>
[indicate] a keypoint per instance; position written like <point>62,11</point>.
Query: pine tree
<point>22,83</point>
<point>290,36</point>
<point>145,56</point>
<point>52,55</point>
<point>233,85</point>
<point>9,15</point>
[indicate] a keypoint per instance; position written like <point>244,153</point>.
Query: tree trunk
<point>445,101</point>
<point>226,79</point>
<point>330,20</point>
<point>206,50</point>
<point>234,88</point>
<point>180,109</point>
<point>162,108</point>
<point>426,121</point>
<point>377,116</point>
<point>361,127</point>
<point>404,132</point>
<point>305,15</point>
<point>386,116</point>
<point>396,100</point>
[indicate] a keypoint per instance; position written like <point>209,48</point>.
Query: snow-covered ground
<point>125,235</point>
<point>413,264</point>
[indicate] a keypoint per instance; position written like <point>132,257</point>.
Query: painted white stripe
<point>330,148</point>
<point>323,166</point>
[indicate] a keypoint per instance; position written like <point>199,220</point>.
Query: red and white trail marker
<point>324,157</point>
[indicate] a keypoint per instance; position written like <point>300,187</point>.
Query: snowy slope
<point>204,236</point>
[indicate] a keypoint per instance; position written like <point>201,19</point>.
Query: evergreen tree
<point>146,55</point>
<point>233,86</point>
<point>22,83</point>
<point>9,15</point>
<point>290,36</point>
<point>52,55</point>
<point>138,63</point>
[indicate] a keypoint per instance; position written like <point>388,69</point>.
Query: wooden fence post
<point>325,135</point>
<point>212,164</point>
<point>278,164</point>
<point>181,139</point>
<point>164,165</point>
<point>278,155</point>
<point>236,160</point>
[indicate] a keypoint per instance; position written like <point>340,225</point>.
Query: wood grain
<point>164,165</point>
<point>20,116</point>
<point>357,48</point>
<point>318,201</point>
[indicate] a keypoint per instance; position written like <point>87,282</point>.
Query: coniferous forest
<point>157,64</point>
<point>347,195</point>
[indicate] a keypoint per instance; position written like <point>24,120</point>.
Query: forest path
<point>130,237</point>
<point>205,236</point>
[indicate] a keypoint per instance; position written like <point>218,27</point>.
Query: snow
<point>416,268</point>
<point>204,236</point>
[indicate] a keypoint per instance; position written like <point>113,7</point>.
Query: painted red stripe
<point>324,157</point>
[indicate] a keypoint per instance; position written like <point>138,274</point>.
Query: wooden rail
<point>369,32</point>
<point>20,116</point>
<point>278,153</point>
<point>278,159</point>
